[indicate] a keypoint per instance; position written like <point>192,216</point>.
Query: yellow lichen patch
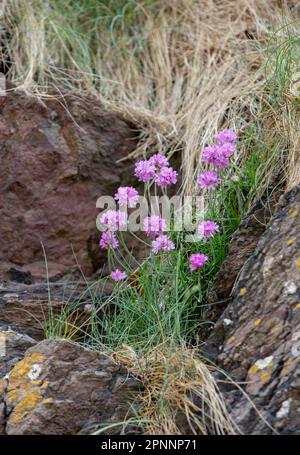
<point>253,369</point>
<point>45,384</point>
<point>293,212</point>
<point>243,292</point>
<point>290,242</point>
<point>26,404</point>
<point>275,329</point>
<point>231,339</point>
<point>297,263</point>
<point>47,400</point>
<point>19,384</point>
<point>257,322</point>
<point>297,307</point>
<point>2,387</point>
<point>23,367</point>
<point>238,344</point>
<point>286,367</point>
<point>265,376</point>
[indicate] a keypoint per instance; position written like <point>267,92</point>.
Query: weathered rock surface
<point>61,388</point>
<point>56,158</point>
<point>27,309</point>
<point>257,339</point>
<point>241,247</point>
<point>13,346</point>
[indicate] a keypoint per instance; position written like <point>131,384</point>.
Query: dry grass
<point>179,69</point>
<point>181,395</point>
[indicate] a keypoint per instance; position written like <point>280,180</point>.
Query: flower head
<point>227,149</point>
<point>207,229</point>
<point>127,196</point>
<point>208,180</point>
<point>162,243</point>
<point>213,154</point>
<point>226,136</point>
<point>88,308</point>
<point>108,240</point>
<point>144,170</point>
<point>166,176</point>
<point>114,219</point>
<point>154,225</point>
<point>117,275</point>
<point>209,153</point>
<point>159,160</point>
<point>197,260</point>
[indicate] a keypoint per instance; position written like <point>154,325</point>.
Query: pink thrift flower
<point>208,180</point>
<point>127,196</point>
<point>213,154</point>
<point>207,229</point>
<point>114,219</point>
<point>117,275</point>
<point>159,161</point>
<point>166,176</point>
<point>226,136</point>
<point>154,225</point>
<point>209,153</point>
<point>108,240</point>
<point>88,307</point>
<point>227,149</point>
<point>144,171</point>
<point>162,243</point>
<point>197,260</point>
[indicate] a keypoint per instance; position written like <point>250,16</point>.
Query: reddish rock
<point>56,158</point>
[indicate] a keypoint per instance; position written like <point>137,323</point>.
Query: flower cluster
<point>117,275</point>
<point>154,225</point>
<point>207,229</point>
<point>114,220</point>
<point>218,156</point>
<point>157,168</point>
<point>162,244</point>
<point>108,240</point>
<point>197,260</point>
<point>127,196</point>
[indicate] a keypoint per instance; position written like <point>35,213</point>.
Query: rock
<point>56,158</point>
<point>13,345</point>
<point>61,388</point>
<point>261,347</point>
<point>12,348</point>
<point>241,247</point>
<point>30,309</point>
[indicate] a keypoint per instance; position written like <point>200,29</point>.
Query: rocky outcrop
<point>56,158</point>
<point>61,388</point>
<point>241,247</point>
<point>30,309</point>
<point>257,339</point>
